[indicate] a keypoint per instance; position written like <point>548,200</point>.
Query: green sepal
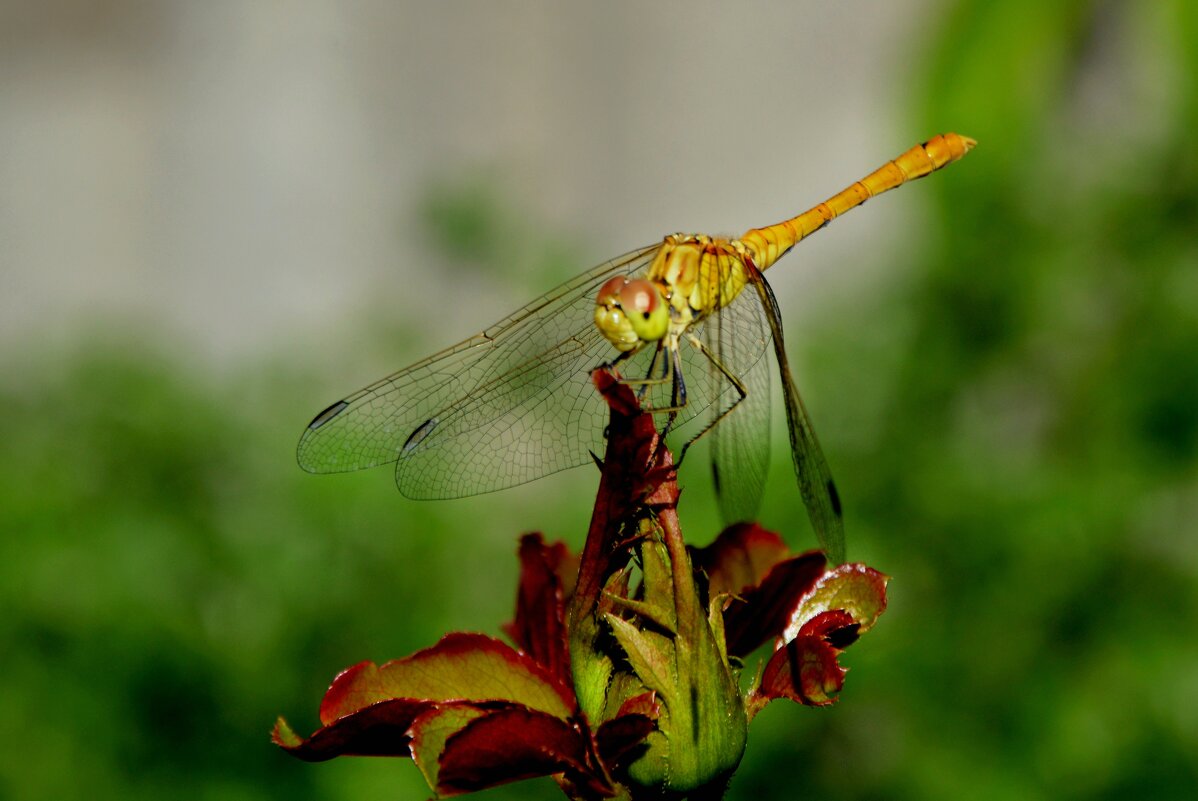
<point>702,728</point>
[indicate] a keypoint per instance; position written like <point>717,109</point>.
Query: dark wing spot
<point>835,497</point>
<point>327,415</point>
<point>417,436</point>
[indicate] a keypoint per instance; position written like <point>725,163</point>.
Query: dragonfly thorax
<point>702,273</point>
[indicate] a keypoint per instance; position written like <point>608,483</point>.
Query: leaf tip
<point>284,736</point>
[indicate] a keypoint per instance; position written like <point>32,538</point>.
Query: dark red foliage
<point>378,730</point>
<point>805,669</point>
<point>474,712</point>
<point>507,745</point>
<point>620,736</point>
<point>842,604</point>
<point>547,574</point>
<point>739,558</point>
<point>750,564</point>
<point>765,610</point>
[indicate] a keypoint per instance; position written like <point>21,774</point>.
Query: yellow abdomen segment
<point>768,244</point>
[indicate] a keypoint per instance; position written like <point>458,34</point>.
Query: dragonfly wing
<point>408,412</point>
<point>537,418</point>
<point>544,415</point>
<point>811,468</point>
<point>738,336</point>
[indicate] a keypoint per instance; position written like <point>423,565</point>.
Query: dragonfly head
<point>630,311</point>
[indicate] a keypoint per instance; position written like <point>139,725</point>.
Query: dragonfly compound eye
<point>609,293</point>
<point>610,318</point>
<point>645,308</point>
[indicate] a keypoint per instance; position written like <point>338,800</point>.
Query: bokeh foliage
<point>171,582</point>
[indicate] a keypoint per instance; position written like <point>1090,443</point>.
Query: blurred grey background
<point>248,175</point>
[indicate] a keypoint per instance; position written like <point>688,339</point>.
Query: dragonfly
<point>687,321</point>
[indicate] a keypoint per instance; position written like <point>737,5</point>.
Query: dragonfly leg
<point>741,390</point>
<point>672,372</point>
<point>677,400</point>
<point>642,384</point>
<point>649,380</point>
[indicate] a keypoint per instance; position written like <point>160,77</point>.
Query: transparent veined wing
<point>738,336</point>
<point>409,412</point>
<point>504,407</point>
<point>816,486</point>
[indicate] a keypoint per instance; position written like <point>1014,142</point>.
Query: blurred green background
<point>1006,384</point>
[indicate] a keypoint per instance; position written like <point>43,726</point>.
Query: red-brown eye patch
<point>639,296</point>
<point>609,293</point>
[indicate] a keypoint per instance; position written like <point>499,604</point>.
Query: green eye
<point>646,310</point>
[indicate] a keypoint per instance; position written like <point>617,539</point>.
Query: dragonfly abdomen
<point>769,244</point>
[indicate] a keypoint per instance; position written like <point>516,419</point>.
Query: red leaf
<point>827,625</point>
<point>619,396</point>
<point>763,612</point>
<point>855,588</point>
<point>470,667</point>
<point>378,730</point>
<point>836,609</point>
<point>430,732</point>
<point>739,558</point>
<point>633,472</point>
<point>547,575</point>
<point>644,704</point>
<point>619,737</point>
<point>507,745</point>
<point>369,709</point>
<point>804,670</point>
